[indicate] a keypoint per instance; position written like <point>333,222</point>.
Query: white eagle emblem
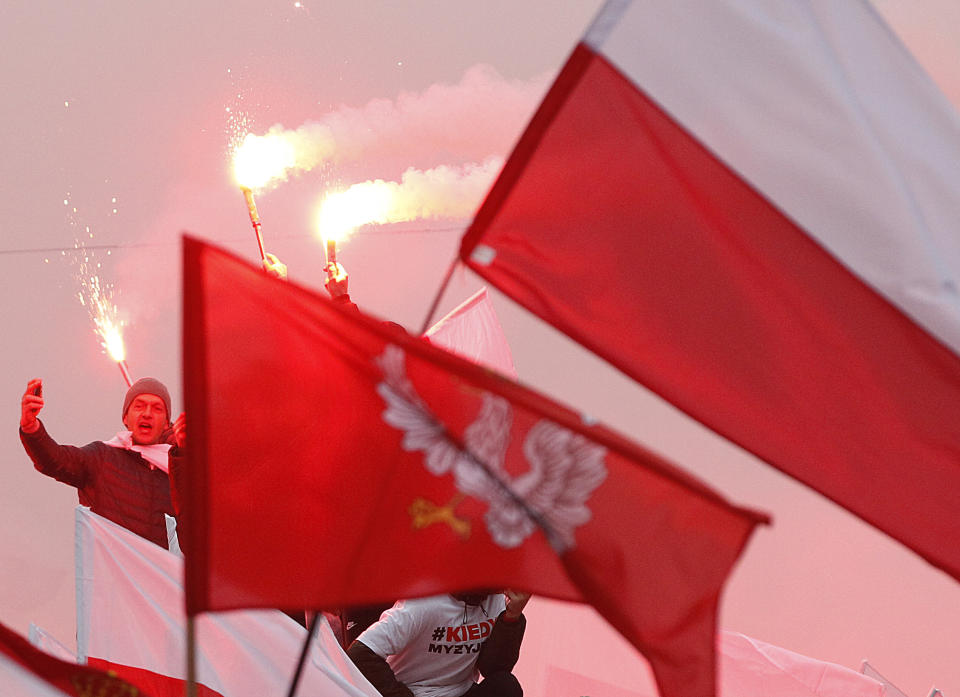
<point>565,468</point>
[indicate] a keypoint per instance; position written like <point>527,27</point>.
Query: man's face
<point>146,418</point>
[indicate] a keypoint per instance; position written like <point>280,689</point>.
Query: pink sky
<point>120,100</point>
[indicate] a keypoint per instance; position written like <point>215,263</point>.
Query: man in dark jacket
<point>439,646</point>
<point>124,479</point>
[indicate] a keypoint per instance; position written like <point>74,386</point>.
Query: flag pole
<point>436,299</point>
<point>303,655</point>
<point>191,657</point>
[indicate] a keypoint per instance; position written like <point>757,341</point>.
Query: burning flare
<point>342,212</point>
<point>112,340</point>
<point>106,322</point>
<point>259,160</point>
<point>441,192</point>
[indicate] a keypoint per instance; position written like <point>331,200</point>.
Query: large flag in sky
<point>130,620</point>
<point>751,207</point>
<point>334,460</point>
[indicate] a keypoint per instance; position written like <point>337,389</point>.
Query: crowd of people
<point>426,647</point>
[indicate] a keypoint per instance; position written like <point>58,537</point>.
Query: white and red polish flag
<point>752,207</point>
<point>363,464</point>
<point>28,671</point>
<point>130,620</point>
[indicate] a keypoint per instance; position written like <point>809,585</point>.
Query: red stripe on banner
<point>701,289</point>
<point>152,684</point>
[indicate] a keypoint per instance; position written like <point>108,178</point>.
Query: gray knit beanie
<point>147,386</point>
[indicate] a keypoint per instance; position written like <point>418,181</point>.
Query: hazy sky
<point>126,110</point>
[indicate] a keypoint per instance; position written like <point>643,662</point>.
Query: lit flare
<point>108,327</point>
<point>259,160</point>
<point>342,212</point>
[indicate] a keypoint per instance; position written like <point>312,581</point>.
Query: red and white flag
<point>27,671</point>
<point>130,620</point>
<point>363,464</point>
<point>761,198</point>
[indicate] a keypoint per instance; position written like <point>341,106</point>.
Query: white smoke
<point>444,192</point>
<point>480,116</point>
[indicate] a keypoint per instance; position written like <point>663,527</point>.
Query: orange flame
<point>103,312</point>
<point>112,339</point>
<point>342,212</point>
<point>258,160</point>
<point>441,192</point>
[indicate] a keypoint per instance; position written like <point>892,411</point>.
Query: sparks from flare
<point>97,297</point>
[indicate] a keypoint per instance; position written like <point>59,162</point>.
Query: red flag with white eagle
<point>761,198</point>
<point>362,464</point>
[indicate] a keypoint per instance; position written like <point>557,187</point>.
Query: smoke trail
<point>440,192</point>
<point>478,117</point>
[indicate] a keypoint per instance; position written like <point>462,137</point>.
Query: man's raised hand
<point>30,405</point>
<point>516,601</point>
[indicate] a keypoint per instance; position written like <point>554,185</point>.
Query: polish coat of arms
<point>564,467</point>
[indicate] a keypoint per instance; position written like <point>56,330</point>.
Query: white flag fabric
<point>130,618</point>
<point>472,330</point>
<point>890,690</point>
<point>594,660</point>
<point>752,668</point>
<point>47,643</point>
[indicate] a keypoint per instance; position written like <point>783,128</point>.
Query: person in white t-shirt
<point>439,646</point>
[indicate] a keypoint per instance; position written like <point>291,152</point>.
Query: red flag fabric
<point>761,228</point>
<point>56,677</point>
<point>335,461</point>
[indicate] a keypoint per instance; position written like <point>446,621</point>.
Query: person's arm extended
<point>377,671</point>
<point>501,651</point>
<point>65,463</point>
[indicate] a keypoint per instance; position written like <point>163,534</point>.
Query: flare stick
<point>254,218</point>
<point>331,258</point>
<point>125,371</point>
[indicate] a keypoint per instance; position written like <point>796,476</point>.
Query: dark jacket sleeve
<point>65,463</point>
<point>502,650</point>
<point>346,303</point>
<point>176,460</point>
<point>377,671</point>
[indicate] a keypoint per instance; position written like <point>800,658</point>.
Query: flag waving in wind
<point>26,671</point>
<point>763,197</point>
<point>335,461</point>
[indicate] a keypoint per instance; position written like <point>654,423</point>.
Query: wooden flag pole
<point>191,657</point>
